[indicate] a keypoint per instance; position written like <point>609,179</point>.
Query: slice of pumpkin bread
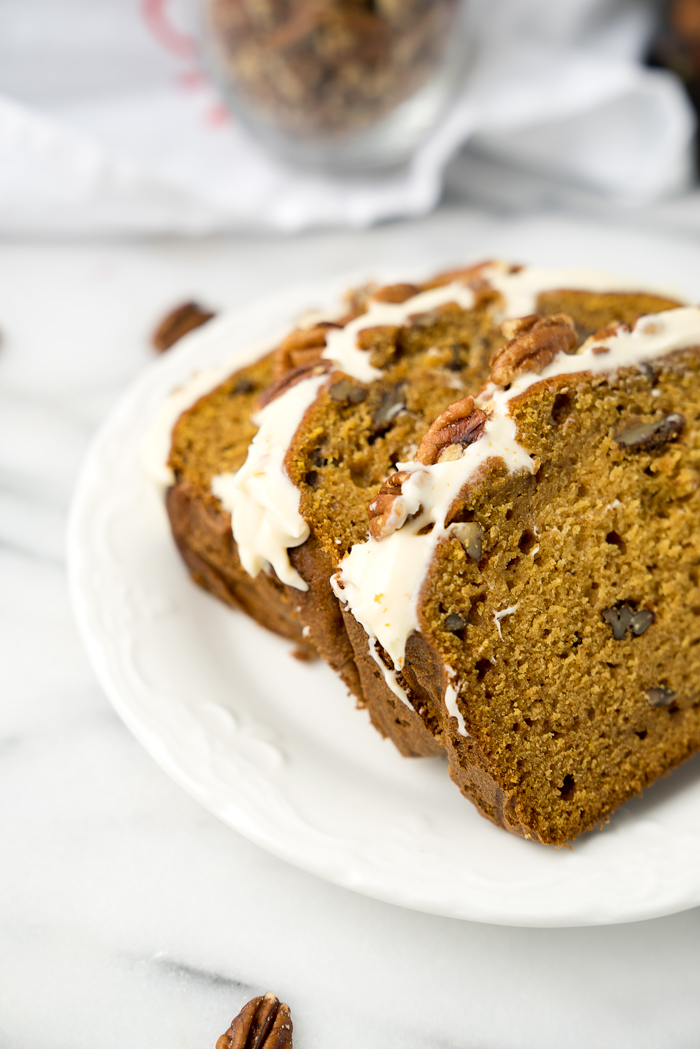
<point>535,572</point>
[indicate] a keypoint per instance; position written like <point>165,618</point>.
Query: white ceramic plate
<point>275,747</point>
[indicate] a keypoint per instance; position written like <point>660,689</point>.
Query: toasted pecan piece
<point>385,513</point>
<point>179,322</point>
<point>459,426</point>
<point>301,347</point>
<point>396,293</point>
<point>534,342</point>
<point>263,1023</point>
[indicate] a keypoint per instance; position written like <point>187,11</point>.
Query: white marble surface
<point>128,915</point>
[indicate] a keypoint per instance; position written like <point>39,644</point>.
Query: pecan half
<point>610,330</point>
<point>469,275</point>
<point>534,342</point>
<point>177,323</point>
<point>264,1023</point>
<point>291,378</point>
<point>303,346</point>
<point>459,426</point>
<point>396,293</point>
<point>651,436</point>
<point>386,512</point>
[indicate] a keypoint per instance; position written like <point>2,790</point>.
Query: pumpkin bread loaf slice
<point>539,582</point>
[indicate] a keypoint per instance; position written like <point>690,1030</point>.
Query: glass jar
<point>341,84</point>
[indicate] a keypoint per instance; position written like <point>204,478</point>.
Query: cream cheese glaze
<point>155,446</point>
<point>264,493</point>
<point>265,517</point>
<point>341,343</point>
<point>520,288</point>
<point>217,336</point>
<point>453,710</point>
<point>261,546</point>
<point>380,581</point>
<point>262,501</point>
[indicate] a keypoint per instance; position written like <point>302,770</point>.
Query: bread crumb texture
<point>573,710</point>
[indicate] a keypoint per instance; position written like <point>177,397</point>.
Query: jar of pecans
<point>344,84</point>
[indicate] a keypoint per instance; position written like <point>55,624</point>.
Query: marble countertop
<point>129,916</point>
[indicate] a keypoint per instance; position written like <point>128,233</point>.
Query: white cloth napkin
<point>102,131</point>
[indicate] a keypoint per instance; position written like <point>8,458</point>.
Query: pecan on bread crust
<point>385,511</point>
<point>534,342</point>
<point>457,427</point>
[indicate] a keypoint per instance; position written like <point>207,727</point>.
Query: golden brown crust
<point>291,377</point>
<point>415,733</point>
<point>396,293</point>
<point>202,531</point>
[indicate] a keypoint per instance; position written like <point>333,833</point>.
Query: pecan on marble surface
<point>534,342</point>
<point>386,512</point>
<point>177,323</point>
<point>264,1023</point>
<point>459,426</point>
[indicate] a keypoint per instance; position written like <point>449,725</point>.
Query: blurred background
<point>137,116</point>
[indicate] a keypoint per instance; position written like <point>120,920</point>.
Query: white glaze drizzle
<point>268,489</point>
<point>262,500</point>
<point>380,581</point>
<point>341,343</point>
<point>155,446</point>
<point>265,517</point>
<point>520,288</point>
<point>390,676</point>
<point>498,616</point>
<point>216,337</point>
<point>451,695</point>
